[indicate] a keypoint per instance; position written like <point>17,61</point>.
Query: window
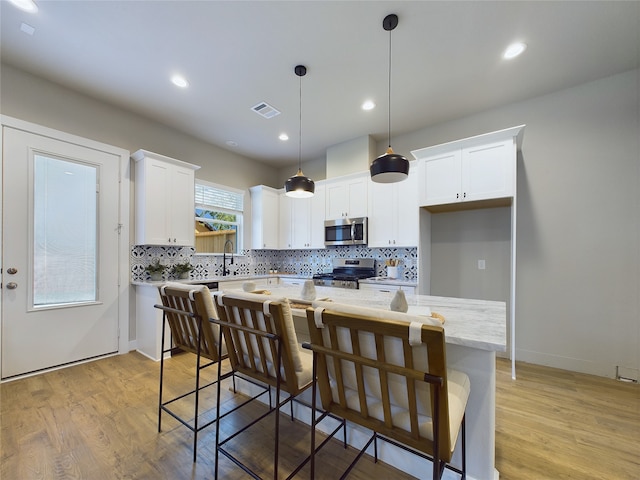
<point>218,218</point>
<point>65,225</point>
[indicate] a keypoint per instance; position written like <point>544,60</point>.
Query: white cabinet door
<point>347,197</point>
<point>264,217</point>
<point>316,226</point>
<point>182,207</point>
<point>440,178</point>
<point>408,210</point>
<point>164,200</point>
<point>487,171</point>
<point>285,236</point>
<point>383,218</point>
<point>302,221</point>
<point>467,174</point>
<point>394,212</point>
<point>387,288</point>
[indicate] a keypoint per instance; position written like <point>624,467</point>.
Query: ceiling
<point>235,54</point>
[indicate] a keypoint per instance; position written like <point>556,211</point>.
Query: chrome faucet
<point>225,270</point>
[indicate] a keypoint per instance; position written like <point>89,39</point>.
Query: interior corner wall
<point>578,226</point>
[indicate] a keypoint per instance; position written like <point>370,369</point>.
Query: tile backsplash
<point>260,262</point>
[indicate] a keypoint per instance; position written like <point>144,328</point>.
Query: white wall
<point>578,278</point>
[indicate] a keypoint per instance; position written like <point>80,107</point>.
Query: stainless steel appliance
<point>346,273</point>
<point>346,231</point>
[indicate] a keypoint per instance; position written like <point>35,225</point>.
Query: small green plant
<point>155,268</point>
<point>181,268</point>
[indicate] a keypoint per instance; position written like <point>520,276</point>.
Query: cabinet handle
<point>457,195</point>
<point>464,195</point>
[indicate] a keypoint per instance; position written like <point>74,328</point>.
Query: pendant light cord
<point>300,131</point>
<point>389,123</point>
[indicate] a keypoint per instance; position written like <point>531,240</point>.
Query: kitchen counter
<point>479,324</point>
<point>226,278</point>
<point>474,331</point>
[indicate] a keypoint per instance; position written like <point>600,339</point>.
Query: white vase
<point>308,291</point>
<point>399,302</point>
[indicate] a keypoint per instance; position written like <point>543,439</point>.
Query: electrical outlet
<point>481,264</point>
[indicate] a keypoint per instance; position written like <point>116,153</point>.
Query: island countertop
<point>471,323</point>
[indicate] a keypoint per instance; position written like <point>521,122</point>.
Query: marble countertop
<point>478,324</point>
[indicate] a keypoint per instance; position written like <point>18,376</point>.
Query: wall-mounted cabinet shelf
<point>470,174</point>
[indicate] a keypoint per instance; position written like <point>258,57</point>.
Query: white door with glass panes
<point>60,295</point>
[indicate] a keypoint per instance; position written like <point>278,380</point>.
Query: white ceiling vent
<point>266,110</point>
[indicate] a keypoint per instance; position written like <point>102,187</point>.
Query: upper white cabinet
<point>394,212</point>
<point>264,217</point>
<point>470,170</point>
<point>302,220</point>
<point>164,200</point>
<point>347,196</point>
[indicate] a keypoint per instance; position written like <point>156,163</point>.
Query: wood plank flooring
<point>99,421</point>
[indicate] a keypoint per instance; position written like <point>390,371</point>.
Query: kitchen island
<point>474,330</point>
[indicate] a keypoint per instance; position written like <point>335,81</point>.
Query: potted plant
<point>181,270</point>
<point>155,269</point>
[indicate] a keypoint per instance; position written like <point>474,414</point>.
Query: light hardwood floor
<point>99,421</point>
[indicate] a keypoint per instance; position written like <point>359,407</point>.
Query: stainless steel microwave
<point>346,231</point>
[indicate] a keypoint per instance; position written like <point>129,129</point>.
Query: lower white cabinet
<point>386,287</point>
<point>149,323</point>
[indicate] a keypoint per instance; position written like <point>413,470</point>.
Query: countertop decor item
<point>308,290</point>
<point>155,269</point>
<point>300,186</point>
<point>399,302</point>
<point>181,270</point>
<point>390,167</point>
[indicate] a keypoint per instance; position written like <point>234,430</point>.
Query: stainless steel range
<point>346,273</point>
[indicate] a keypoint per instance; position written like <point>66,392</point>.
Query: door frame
<point>124,268</point>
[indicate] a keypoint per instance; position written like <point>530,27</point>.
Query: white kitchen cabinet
<point>347,196</point>
<point>164,200</point>
<point>467,173</point>
<point>387,287</point>
<point>264,217</point>
<point>471,173</point>
<point>302,220</point>
<point>393,212</point>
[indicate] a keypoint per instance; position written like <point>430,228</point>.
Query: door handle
<point>12,285</point>
<point>12,270</point>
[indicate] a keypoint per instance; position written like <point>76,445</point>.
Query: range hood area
<point>352,156</point>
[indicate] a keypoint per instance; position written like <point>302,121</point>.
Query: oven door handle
<point>353,232</point>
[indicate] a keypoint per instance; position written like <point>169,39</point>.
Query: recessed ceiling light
<point>284,137</point>
<point>179,81</point>
<point>26,5</point>
<point>514,50</point>
<point>231,143</point>
<point>368,105</point>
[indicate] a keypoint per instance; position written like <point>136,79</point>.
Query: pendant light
<point>390,167</point>
<point>300,186</point>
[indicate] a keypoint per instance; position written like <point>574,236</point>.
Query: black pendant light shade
<point>300,186</point>
<point>390,167</point>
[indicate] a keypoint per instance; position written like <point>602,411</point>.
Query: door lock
<point>12,270</point>
<point>12,285</point>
